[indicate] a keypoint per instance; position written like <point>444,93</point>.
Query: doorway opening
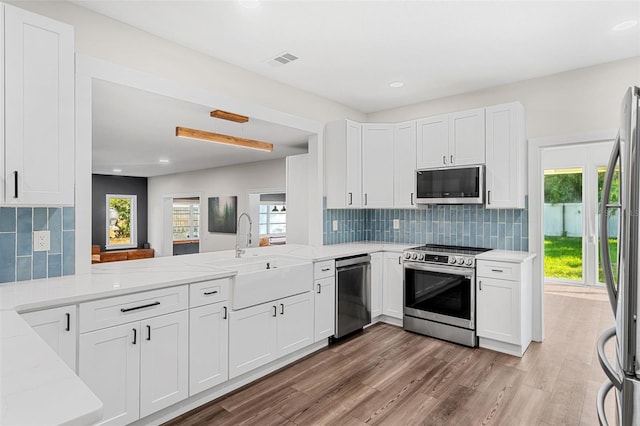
<point>185,225</point>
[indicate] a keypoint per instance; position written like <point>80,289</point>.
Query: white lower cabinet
<point>208,347</point>
<point>324,308</point>
<point>262,333</point>
<point>57,327</point>
<point>503,305</point>
<point>392,302</point>
<point>376,284</point>
<point>110,366</point>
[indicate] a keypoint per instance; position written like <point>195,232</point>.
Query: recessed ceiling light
<point>625,25</point>
<point>249,4</point>
<point>396,84</point>
<point>164,161</point>
<point>117,170</point>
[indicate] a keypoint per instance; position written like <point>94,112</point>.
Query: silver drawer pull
<point>497,270</point>
<point>209,293</point>
<point>139,307</point>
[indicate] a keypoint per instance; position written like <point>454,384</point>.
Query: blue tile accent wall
<point>464,225</point>
<point>18,261</point>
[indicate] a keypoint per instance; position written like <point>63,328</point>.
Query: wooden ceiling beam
<point>186,132</point>
<point>229,116</point>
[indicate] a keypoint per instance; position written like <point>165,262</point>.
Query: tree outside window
<point>121,221</point>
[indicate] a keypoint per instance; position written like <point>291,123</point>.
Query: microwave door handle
<point>604,226</point>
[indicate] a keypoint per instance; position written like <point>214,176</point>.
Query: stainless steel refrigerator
<point>624,371</point>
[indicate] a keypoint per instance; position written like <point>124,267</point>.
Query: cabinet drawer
<point>207,292</point>
<point>500,270</point>
<point>324,269</point>
<point>132,307</point>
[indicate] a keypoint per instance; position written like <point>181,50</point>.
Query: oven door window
<point>438,292</point>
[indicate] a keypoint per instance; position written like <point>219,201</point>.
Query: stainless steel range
<point>439,292</point>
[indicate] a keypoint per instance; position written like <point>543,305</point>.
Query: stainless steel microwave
<point>450,185</point>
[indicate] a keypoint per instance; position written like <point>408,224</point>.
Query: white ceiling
<point>133,130</point>
<point>349,51</point>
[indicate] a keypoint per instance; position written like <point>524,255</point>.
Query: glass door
<point>613,222</point>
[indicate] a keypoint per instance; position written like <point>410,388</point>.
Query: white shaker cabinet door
<point>392,302</point>
<point>377,165</point>
<point>208,347</point>
<point>295,323</point>
<point>354,164</point>
<point>376,284</point>
<point>109,363</point>
<point>432,148</point>
<point>404,165</point>
<point>252,338</point>
<point>466,137</point>
<point>57,327</point>
<point>164,363</point>
<point>325,308</point>
<point>498,309</point>
<point>38,109</point>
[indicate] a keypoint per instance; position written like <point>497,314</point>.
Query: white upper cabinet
<point>343,164</point>
<point>38,110</point>
<point>506,165</point>
<point>404,165</point>
<point>455,139</point>
<point>432,142</point>
<point>377,165</point>
<point>466,137</point>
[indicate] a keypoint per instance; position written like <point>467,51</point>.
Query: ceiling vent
<point>283,59</point>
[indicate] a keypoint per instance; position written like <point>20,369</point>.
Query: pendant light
<point>275,209</point>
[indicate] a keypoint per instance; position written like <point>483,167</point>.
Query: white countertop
<point>506,256</point>
<point>37,387</point>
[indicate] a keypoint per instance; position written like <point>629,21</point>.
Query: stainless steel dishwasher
<point>353,294</point>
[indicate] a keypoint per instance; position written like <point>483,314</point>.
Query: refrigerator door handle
<point>604,361</point>
<point>602,394</point>
<point>604,228</point>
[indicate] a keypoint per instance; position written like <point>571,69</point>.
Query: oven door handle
<point>465,272</point>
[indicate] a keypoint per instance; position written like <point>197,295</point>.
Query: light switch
<point>41,240</point>
<point>396,223</point>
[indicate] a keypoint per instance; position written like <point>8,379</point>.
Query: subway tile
<point>24,219</point>
<point>24,243</point>
<point>8,258</point>
<point>55,228</point>
<point>23,269</point>
<point>54,267</point>
<point>68,252</point>
<point>39,264</point>
<point>7,219</point>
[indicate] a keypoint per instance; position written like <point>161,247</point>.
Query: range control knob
<point>460,260</point>
<point>469,261</point>
<point>421,256</point>
<point>452,260</point>
<point>407,255</point>
<point>414,256</point>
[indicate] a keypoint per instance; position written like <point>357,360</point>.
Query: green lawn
<point>563,257</point>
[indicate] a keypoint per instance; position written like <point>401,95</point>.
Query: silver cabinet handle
<point>148,332</point>
<point>208,293</point>
<point>275,310</point>
<point>451,158</point>
<point>68,326</point>
<point>444,159</point>
<point>225,312</point>
<point>319,289</point>
<point>282,309</point>
<point>135,336</point>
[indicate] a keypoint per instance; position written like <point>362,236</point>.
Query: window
<point>273,219</point>
<point>122,221</point>
<point>186,219</point>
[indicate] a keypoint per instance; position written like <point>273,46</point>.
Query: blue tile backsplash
<point>463,225</point>
<point>18,261</point>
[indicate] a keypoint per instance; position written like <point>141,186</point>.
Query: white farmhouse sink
<point>267,278</point>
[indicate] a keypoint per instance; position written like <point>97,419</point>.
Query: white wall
<point>101,37</point>
<point>571,102</point>
<point>237,180</point>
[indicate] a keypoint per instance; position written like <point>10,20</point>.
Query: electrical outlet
<point>396,223</point>
<point>335,225</point>
<point>41,240</point>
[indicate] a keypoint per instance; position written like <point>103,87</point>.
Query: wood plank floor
<point>391,377</point>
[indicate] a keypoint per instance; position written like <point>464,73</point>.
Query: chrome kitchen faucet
<point>239,250</point>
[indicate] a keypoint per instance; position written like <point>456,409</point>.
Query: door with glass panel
<point>573,179</point>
